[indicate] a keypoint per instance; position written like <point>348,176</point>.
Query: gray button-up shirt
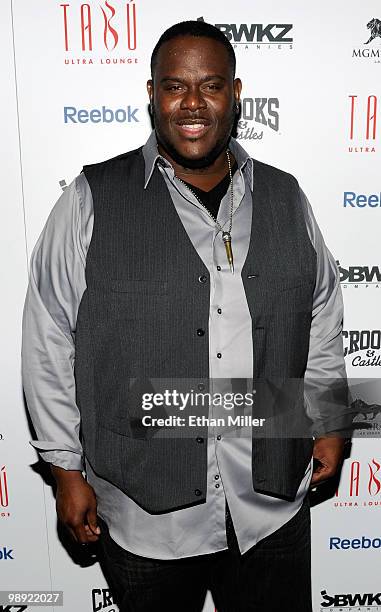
<point>57,282</point>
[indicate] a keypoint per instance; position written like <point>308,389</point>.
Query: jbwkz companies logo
<point>363,123</point>
<point>360,276</point>
<point>257,112</point>
<point>102,600</point>
<point>257,35</point>
<point>351,601</point>
<point>100,32</point>
<point>371,49</point>
<point>360,485</point>
<point>4,496</point>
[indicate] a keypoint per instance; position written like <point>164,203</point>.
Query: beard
<point>201,162</point>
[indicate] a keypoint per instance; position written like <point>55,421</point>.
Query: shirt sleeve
<point>56,285</point>
<point>326,389</point>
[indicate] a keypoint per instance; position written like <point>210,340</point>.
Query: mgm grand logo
<point>368,50</point>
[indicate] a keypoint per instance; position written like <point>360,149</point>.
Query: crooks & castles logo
<point>367,342</point>
<point>257,113</point>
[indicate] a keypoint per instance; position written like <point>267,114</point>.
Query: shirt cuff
<point>66,459</point>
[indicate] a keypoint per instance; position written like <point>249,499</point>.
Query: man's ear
<point>237,86</point>
<point>150,90</point>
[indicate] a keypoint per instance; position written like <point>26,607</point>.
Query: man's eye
<point>212,86</point>
<point>174,87</point>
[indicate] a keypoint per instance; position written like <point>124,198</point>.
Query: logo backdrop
<point>73,80</point>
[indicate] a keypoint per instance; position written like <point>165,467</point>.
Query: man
<point>184,259</point>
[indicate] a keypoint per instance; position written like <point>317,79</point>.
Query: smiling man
<point>183,259</point>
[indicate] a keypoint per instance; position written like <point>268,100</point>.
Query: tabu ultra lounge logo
<point>100,33</point>
<point>363,126</point>
<point>360,485</point>
<point>4,495</point>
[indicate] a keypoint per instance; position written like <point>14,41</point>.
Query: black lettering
<point>354,336</point>
<point>281,37</point>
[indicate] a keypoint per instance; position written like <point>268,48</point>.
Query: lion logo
<point>374,26</point>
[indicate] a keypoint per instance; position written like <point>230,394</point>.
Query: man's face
<point>193,98</point>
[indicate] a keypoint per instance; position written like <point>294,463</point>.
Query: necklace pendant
<point>226,237</point>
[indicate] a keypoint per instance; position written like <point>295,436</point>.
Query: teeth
<point>193,126</point>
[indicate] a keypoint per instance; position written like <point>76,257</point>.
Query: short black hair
<point>197,28</point>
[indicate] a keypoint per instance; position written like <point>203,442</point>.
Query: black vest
<point>147,294</point>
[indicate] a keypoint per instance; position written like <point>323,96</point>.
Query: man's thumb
<point>92,521</point>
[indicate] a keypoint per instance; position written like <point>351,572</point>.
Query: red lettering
<point>371,119</point>
<point>64,6</point>
<point>131,29</point>
<point>86,27</point>
<point>352,116</point>
<point>354,479</point>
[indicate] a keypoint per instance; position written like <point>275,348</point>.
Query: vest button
<point>201,332</point>
<point>219,310</point>
<point>200,386</point>
<point>219,268</point>
<point>197,492</point>
<point>218,437</point>
<point>219,355</point>
<point>202,278</point>
<point>199,439</point>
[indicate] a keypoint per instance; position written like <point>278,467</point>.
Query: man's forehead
<point>188,50</point>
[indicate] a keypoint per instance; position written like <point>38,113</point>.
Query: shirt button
<point>200,386</point>
<point>199,439</point>
<point>202,278</point>
<point>200,332</point>
<point>219,268</point>
<point>217,486</point>
<point>218,437</point>
<point>219,355</point>
<point>197,492</point>
<point>216,477</point>
<point>219,310</point>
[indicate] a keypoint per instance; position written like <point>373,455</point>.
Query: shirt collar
<point>152,157</point>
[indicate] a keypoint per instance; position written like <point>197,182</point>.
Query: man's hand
<point>329,453</point>
<point>76,505</point>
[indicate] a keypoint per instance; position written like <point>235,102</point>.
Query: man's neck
<point>203,178</point>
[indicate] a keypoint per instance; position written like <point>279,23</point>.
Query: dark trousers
<point>273,575</point>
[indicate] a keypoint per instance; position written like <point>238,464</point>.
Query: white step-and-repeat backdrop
<point>311,105</point>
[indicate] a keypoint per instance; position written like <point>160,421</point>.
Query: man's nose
<point>192,100</point>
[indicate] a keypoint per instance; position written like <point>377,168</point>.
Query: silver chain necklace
<point>226,235</point>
